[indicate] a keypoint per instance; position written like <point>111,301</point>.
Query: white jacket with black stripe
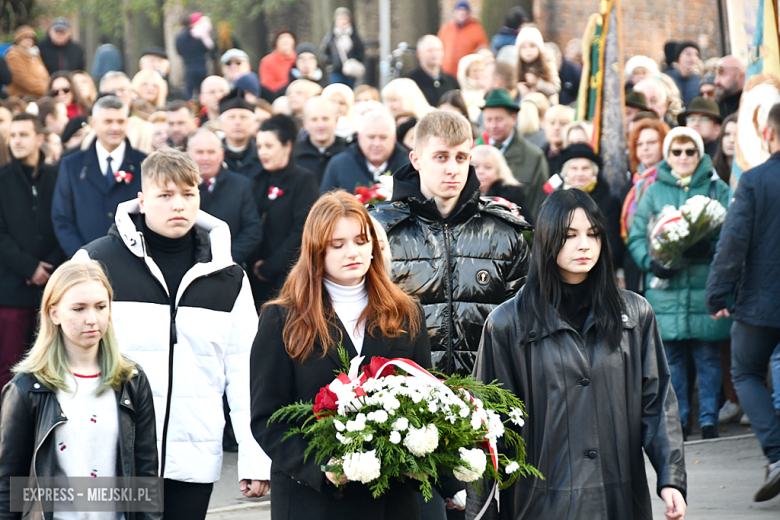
<point>192,363</point>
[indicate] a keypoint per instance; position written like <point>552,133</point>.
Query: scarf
<point>588,188</point>
<point>343,38</point>
<point>682,181</point>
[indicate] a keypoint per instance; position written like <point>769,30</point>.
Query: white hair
<point>377,115</point>
<point>111,75</point>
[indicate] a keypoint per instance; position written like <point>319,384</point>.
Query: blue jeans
<point>751,350</point>
<point>338,77</point>
<point>775,367</point>
<point>706,355</point>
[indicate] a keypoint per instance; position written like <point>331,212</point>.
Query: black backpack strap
<point>713,190</point>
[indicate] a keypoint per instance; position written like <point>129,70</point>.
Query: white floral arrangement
<point>395,420</point>
<point>676,230</point>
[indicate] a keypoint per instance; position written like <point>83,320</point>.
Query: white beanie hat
<point>677,132</point>
<point>531,34</point>
<point>641,61</point>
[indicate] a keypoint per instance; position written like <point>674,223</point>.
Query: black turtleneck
<point>174,256</point>
<point>575,303</point>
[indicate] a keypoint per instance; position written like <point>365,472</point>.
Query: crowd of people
<point>187,210</point>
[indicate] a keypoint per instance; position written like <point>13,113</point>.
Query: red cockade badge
<point>275,192</point>
<point>123,176</point>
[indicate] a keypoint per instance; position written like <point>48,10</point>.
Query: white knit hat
<point>531,34</point>
<point>641,61</point>
<point>677,132</point>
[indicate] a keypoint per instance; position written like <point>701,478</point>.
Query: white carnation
<point>339,425</point>
<point>475,463</point>
<point>379,416</point>
<point>422,441</point>
<point>362,467</point>
<point>395,437</point>
<point>516,416</point>
<point>511,467</point>
<point>401,424</point>
<point>432,407</point>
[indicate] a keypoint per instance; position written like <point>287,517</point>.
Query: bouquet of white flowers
<point>676,230</point>
<point>396,420</point>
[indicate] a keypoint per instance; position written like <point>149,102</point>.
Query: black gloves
<point>661,272</point>
<point>698,250</point>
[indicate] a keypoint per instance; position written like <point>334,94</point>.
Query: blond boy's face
<point>169,210</point>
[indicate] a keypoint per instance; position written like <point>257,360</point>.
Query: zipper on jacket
<point>172,341</point>
<point>38,447</point>
<point>450,354</point>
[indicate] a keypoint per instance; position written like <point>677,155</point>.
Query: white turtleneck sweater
<point>349,302</point>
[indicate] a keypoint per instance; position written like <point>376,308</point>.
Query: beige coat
<point>30,75</point>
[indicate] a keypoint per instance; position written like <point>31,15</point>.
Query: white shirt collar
<point>376,172</point>
<point>117,157</point>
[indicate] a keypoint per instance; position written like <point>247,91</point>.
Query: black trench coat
<point>300,490</point>
<point>591,410</point>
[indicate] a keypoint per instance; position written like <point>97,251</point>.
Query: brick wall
<point>647,24</point>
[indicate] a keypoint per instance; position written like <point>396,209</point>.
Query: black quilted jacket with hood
<point>460,268</point>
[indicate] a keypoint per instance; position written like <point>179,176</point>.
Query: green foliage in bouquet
<point>382,426</point>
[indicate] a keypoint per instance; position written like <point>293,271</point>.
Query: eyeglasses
<point>698,119</point>
<point>65,90</point>
<point>690,152</point>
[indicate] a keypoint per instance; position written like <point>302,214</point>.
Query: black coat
<point>592,410</point>
<point>283,216</point>
<point>331,58</point>
<point>6,78</point>
<point>570,74</point>
<point>747,259</point>
<point>193,51</point>
<point>432,88</point>
<point>308,156</point>
<point>30,412</point>
<point>512,193</point>
<point>349,169</point>
<point>460,268</point>
<point>68,57</point>
<point>232,201</point>
<point>300,488</point>
<point>26,231</point>
<point>246,163</point>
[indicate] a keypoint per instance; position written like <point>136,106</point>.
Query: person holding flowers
<point>587,360</point>
<point>686,327</point>
<point>338,295</point>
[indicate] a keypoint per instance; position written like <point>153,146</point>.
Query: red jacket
<point>459,42</point>
<point>275,70</point>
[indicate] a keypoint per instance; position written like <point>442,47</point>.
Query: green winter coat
<point>680,308</point>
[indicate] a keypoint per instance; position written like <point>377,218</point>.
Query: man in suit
<point>317,146</point>
<point>526,160</point>
<point>226,195</point>
<point>29,251</point>
<point>93,182</point>
<point>238,122</point>
<point>376,153</point>
<point>428,76</point>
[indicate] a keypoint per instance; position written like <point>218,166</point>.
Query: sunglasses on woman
<point>689,152</point>
<point>64,90</point>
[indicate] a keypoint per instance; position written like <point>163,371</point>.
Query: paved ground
<point>723,475</point>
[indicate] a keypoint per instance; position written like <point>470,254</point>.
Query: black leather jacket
<point>593,408</point>
<point>460,268</point>
<point>30,412</point>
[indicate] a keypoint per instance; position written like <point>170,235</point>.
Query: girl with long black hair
<point>588,361</point>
